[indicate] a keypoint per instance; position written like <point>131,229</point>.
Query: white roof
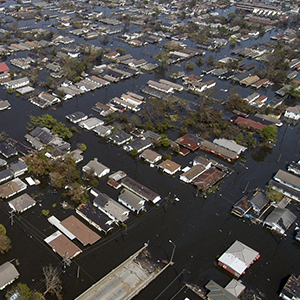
<point>238,257</point>
<point>230,145</point>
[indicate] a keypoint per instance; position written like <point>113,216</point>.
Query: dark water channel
<point>201,228</point>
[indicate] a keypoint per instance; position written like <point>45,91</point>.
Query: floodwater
<point>201,228</point>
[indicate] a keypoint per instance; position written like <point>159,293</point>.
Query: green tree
<point>2,229</point>
<point>24,293</point>
<point>162,57</point>
<point>268,135</point>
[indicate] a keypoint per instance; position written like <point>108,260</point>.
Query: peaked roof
<point>238,257</point>
<point>218,293</point>
<point>3,67</point>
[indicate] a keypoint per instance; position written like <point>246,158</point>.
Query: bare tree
<point>52,281</point>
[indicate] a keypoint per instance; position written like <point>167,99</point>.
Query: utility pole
<point>11,217</point>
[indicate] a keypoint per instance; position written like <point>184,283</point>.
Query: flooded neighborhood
<point>149,150</point>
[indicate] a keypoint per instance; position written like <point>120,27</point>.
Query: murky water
<point>201,228</point>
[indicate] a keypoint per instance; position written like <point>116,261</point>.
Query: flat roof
<point>126,280</point>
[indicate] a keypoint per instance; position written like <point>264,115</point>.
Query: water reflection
<point>260,154</point>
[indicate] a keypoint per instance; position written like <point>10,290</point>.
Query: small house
<point>110,207</point>
<point>280,220</point>
<point>96,168</point>
<point>120,138</point>
<point>139,145</point>
<point>169,166</point>
<point>291,290</point>
<point>21,203</point>
<point>132,201</point>
<point>18,168</point>
<point>95,217</point>
<point>8,274</point>
<point>150,156</point>
<point>76,117</point>
<point>237,258</point>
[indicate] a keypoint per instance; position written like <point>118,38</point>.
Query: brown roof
<point>81,231</point>
<point>169,165</point>
<point>208,178</point>
<point>62,245</point>
<point>8,188</point>
<point>249,123</point>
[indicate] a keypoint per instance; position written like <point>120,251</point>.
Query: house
<point>110,207</point>
<point>4,104</point>
<point>169,166</point>
<point>235,287</point>
<point>7,150</point>
<point>120,138</point>
<point>258,202</point>
<point>62,245</point>
<point>291,290</point>
<point>138,144</point>
<point>280,220</point>
<point>132,201</point>
<point>95,168</point>
<point>292,112</point>
<point>12,187</point>
<point>21,203</point>
<point>201,160</point>
<point>79,230</point>
<point>139,189</point>
<point>248,123</point>
<point>3,68</point>
<point>16,83</point>
<point>159,86</point>
<point>230,145</point>
<point>18,168</point>
<point>192,173</point>
<point>288,179</point>
<point>103,131</point>
<point>216,292</point>
<point>249,80</point>
<point>208,178</point>
<point>219,150</point>
<point>76,117</point>
<point>91,123</point>
<point>95,217</point>
<point>241,207</point>
<point>150,156</point>
<point>237,258</point>
<point>189,141</point>
<point>8,274</point>
<point>5,175</point>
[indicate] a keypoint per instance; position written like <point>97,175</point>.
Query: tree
<point>2,230</point>
<point>5,242</point>
<point>273,194</point>
<point>52,281</point>
<point>24,293</point>
<point>162,58</point>
<point>268,135</point>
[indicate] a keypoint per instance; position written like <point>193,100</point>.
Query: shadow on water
<point>260,154</point>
